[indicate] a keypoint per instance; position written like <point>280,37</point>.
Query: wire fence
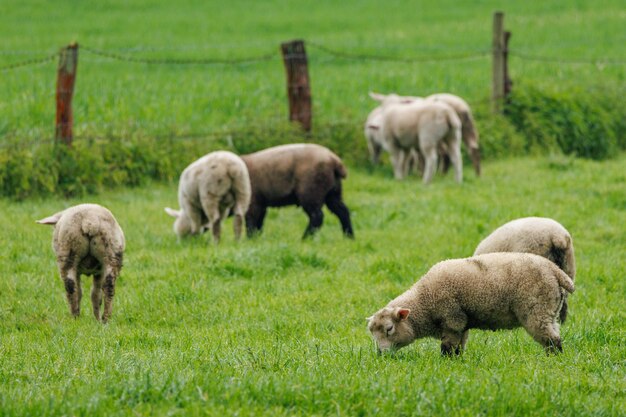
<point>129,55</point>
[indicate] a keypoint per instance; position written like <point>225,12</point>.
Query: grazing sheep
<point>306,175</point>
<point>88,240</point>
<point>491,291</point>
<point>418,124</point>
<point>539,235</point>
<point>469,133</point>
<point>208,190</point>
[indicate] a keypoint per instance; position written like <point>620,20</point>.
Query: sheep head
<point>390,328</point>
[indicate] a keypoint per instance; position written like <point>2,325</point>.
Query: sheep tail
<point>564,281</point>
<point>241,186</point>
<point>562,254</point>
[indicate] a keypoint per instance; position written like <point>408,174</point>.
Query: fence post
<point>298,90</point>
<point>497,81</point>
<point>66,75</point>
<point>508,83</point>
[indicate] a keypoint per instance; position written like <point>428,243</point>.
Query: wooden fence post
<point>508,83</point>
<point>298,90</point>
<point>66,75</point>
<point>497,81</point>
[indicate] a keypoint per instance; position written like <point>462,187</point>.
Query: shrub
<point>575,122</point>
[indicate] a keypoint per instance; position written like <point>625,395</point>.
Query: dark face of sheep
<point>390,328</point>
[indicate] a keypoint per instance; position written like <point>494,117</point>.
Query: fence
<point>295,63</point>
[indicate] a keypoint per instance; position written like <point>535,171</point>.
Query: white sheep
<point>208,190</point>
<point>421,125</point>
<point>88,240</point>
<point>491,291</point>
<point>469,133</point>
<point>539,235</point>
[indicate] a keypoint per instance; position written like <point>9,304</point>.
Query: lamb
<point>87,240</point>
<point>418,124</point>
<point>539,235</point>
<point>491,291</point>
<point>208,190</point>
<point>469,133</point>
<point>306,175</point>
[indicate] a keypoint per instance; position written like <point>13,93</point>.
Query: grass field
<point>123,98</point>
<point>276,326</point>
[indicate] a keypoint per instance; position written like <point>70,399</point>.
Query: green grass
<point>276,326</point>
<point>117,98</point>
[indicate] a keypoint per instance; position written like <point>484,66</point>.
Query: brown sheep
<point>493,291</point>
<point>306,175</point>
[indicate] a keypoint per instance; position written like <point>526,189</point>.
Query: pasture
<point>275,325</point>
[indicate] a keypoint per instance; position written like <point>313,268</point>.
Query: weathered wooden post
<point>508,83</point>
<point>497,93</point>
<point>298,90</point>
<point>66,75</point>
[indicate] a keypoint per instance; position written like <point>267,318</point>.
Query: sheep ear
<point>172,212</point>
<point>402,313</point>
<point>373,127</point>
<point>368,319</point>
<point>52,220</point>
<point>377,97</point>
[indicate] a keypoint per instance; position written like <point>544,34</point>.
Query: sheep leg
<point>216,228</point>
<point>239,213</point>
<point>210,206</point>
<point>464,340</point>
<point>475,157</point>
<point>430,164</point>
<point>316,218</point>
<point>563,311</point>
<point>96,295</point>
<point>374,150</point>
<point>339,209</point>
<point>457,162</point>
<point>397,160</point>
<point>110,277</point>
<point>71,281</point>
<point>254,219</point>
<point>194,214</point>
<point>451,342</point>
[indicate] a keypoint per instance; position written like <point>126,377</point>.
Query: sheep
<point>491,291</point>
<point>208,190</point>
<point>418,124</point>
<point>87,240</point>
<point>539,235</point>
<point>469,133</point>
<point>375,142</point>
<point>306,175</point>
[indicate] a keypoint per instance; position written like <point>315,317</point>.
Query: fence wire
<point>28,63</point>
<point>368,57</point>
<point>178,61</point>
<point>556,60</point>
